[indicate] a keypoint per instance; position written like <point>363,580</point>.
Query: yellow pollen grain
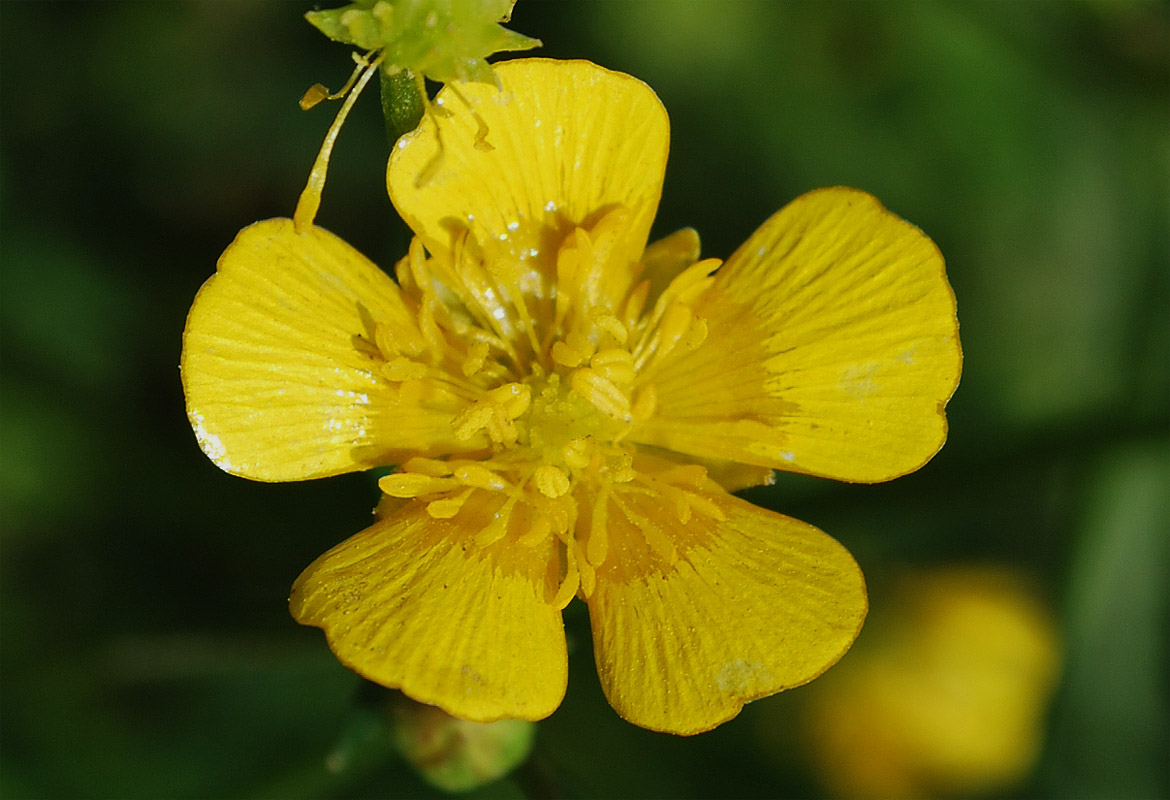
<point>551,481</point>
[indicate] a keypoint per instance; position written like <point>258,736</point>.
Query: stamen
<point>482,130</point>
<point>413,484</point>
<point>514,397</point>
<point>615,365</point>
<point>539,529</point>
<point>659,542</point>
<point>403,369</point>
<point>427,466</point>
<point>566,356</point>
<point>498,528</point>
<point>610,324</point>
<point>602,393</point>
<point>480,477</point>
<point>576,453</point>
<point>570,583</point>
<point>597,547</point>
<point>476,356</point>
<point>551,482</point>
<point>448,506</point>
<point>310,199</point>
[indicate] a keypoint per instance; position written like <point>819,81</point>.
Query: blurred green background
<point>146,647</point>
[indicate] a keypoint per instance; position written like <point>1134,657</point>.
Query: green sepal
<point>444,40</point>
<point>402,105</point>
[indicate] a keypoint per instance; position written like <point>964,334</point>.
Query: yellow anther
<point>577,453</point>
<point>551,481</point>
<point>412,484</point>
<point>610,324</point>
<point>476,356</point>
<point>427,466</point>
<point>539,529</point>
<point>580,344</point>
<point>472,420</point>
<point>480,477</point>
<point>565,355</point>
<point>645,403</point>
<point>601,392</point>
<point>498,528</point>
<point>514,398</point>
<point>615,365</point>
<point>403,369</point>
<point>448,506</point>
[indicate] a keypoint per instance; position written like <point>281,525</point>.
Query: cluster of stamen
<point>543,391</point>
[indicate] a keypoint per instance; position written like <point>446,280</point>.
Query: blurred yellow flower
<point>569,409</point>
<point>947,694</point>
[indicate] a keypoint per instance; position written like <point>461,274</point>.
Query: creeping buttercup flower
<point>569,409</point>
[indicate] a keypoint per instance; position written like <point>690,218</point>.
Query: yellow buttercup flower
<point>569,409</point>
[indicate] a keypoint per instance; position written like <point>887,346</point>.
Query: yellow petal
<point>753,603</point>
<point>832,348</point>
<point>277,384</point>
<point>566,141</point>
<point>413,603</point>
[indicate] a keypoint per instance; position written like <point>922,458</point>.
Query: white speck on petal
<point>741,676</point>
<point>209,442</point>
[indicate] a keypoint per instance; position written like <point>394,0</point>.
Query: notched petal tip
<point>754,604</point>
<point>832,347</point>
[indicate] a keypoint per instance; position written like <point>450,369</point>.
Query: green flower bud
<point>456,755</point>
